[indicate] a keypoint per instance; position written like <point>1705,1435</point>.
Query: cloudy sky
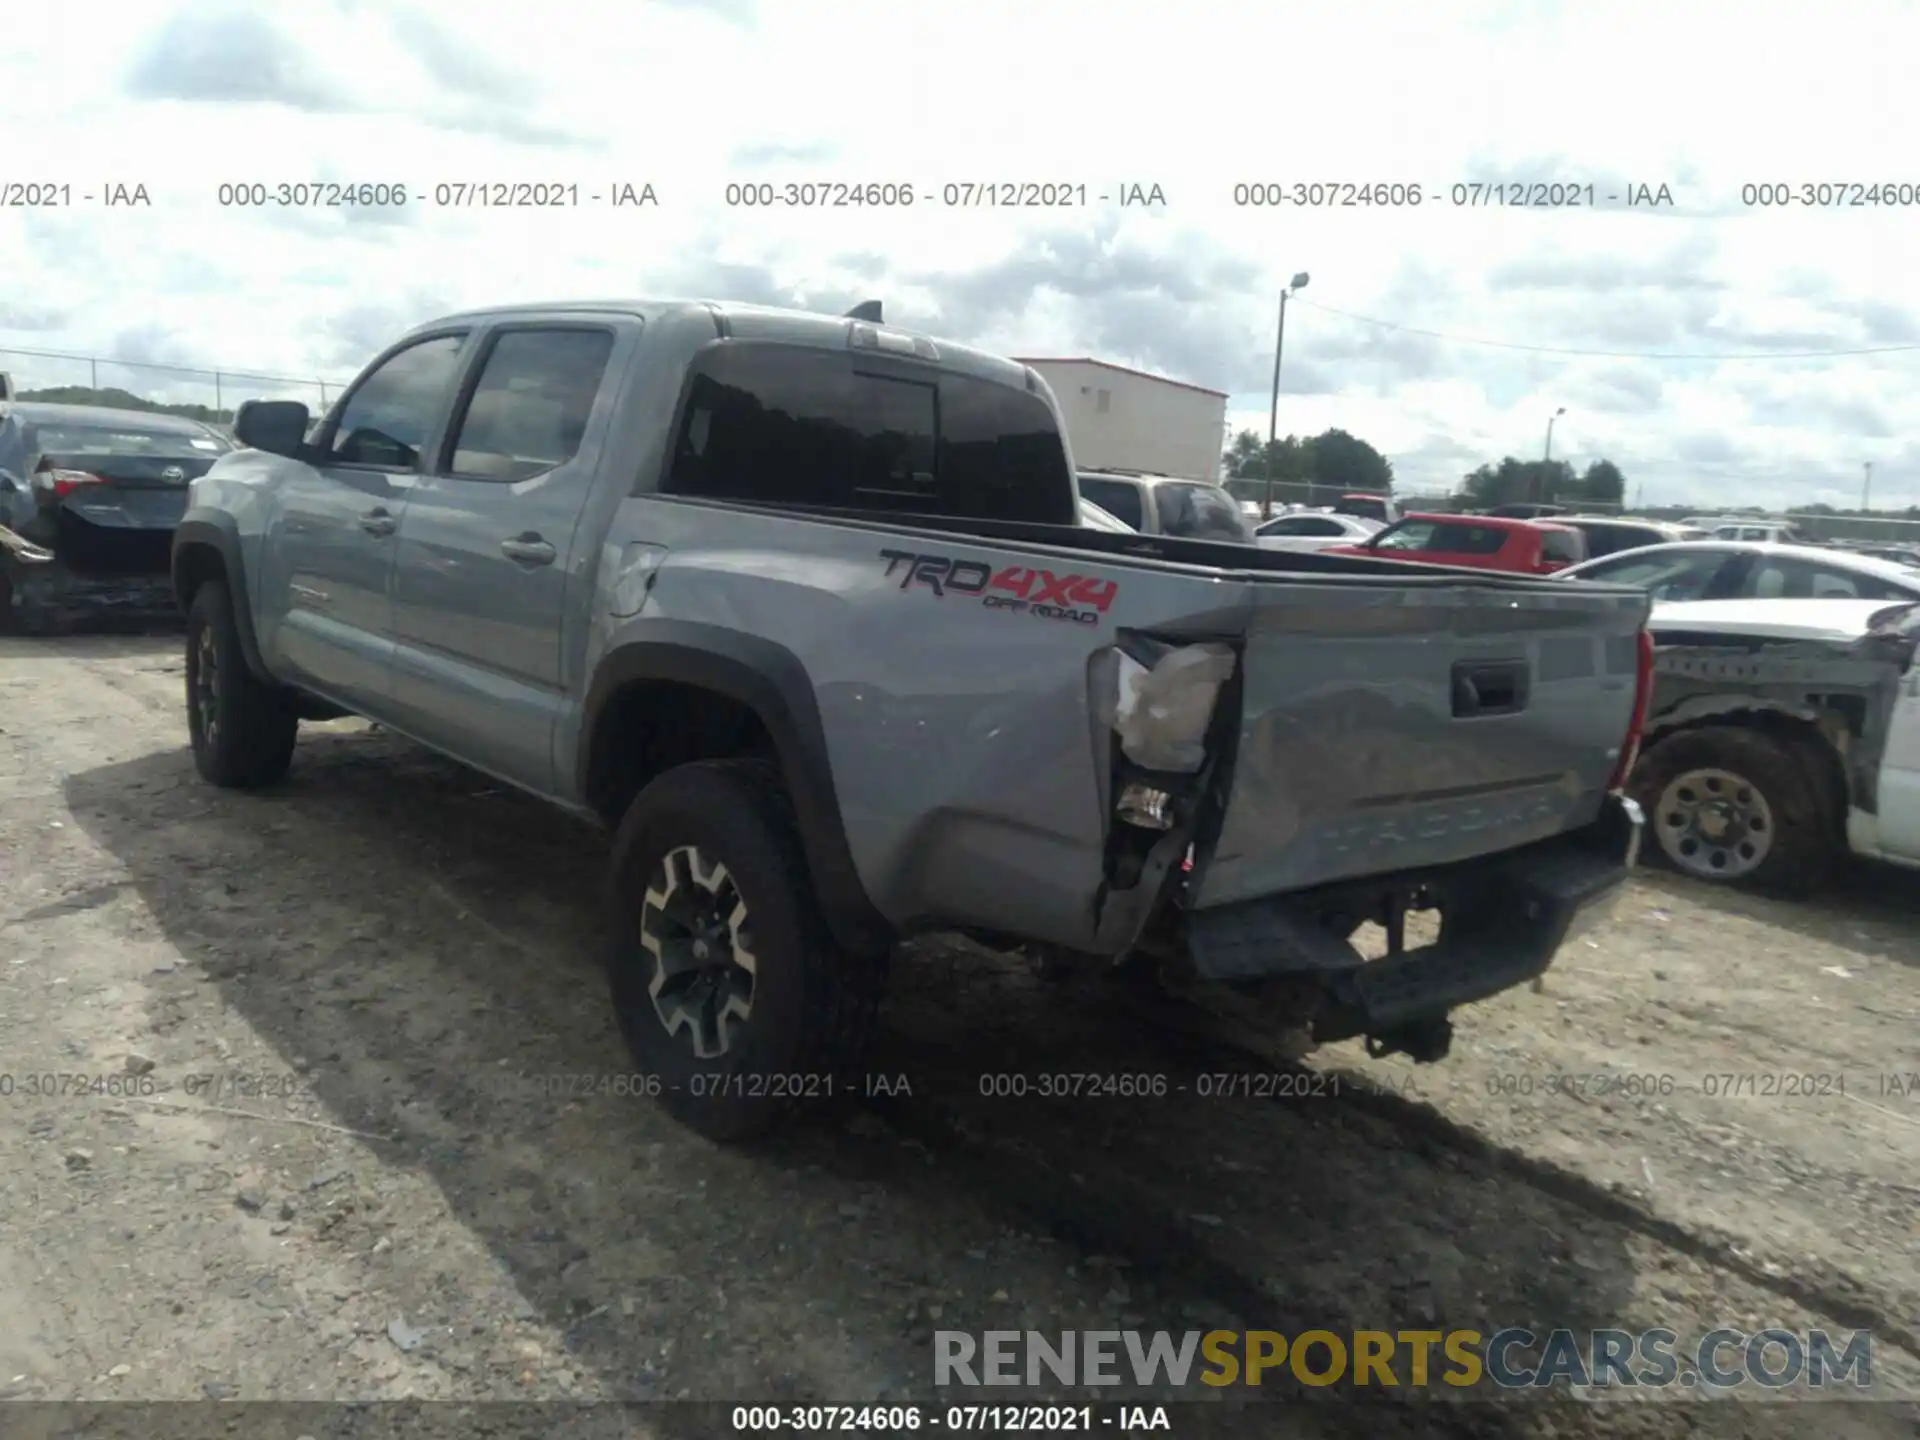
<point>1700,345</point>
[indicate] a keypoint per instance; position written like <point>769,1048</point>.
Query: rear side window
<point>1796,579</point>
<point>1407,535</point>
<point>529,412</point>
<point>787,425</point>
<point>1199,512</point>
<point>1456,539</point>
<point>1672,575</point>
<point>1563,547</point>
<point>1317,525</point>
<point>1611,539</point>
<point>1117,498</point>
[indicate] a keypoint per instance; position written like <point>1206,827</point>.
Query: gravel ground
<point>1707,1115</point>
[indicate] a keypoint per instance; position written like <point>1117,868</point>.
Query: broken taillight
<point>1642,700</point>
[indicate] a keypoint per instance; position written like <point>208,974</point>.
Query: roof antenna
<point>865,310</point>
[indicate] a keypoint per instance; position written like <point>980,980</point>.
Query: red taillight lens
<point>1642,699</point>
<point>61,483</point>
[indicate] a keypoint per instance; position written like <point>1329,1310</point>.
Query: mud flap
<point>1505,917</point>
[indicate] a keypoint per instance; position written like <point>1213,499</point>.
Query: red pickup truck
<point>1484,542</point>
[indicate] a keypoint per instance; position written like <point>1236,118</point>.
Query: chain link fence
<point>209,395</point>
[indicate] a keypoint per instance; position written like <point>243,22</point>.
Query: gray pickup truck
<point>799,605</point>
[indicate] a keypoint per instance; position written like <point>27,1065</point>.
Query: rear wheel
<point>1737,806</point>
<point>241,729</point>
<point>730,991</point>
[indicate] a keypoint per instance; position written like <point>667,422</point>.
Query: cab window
<point>1119,498</point>
<point>389,414</point>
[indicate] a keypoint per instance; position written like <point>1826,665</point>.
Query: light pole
<point>1299,282</point>
<point>1539,491</point>
<point>1866,489</point>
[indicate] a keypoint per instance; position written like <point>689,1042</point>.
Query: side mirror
<point>277,426</point>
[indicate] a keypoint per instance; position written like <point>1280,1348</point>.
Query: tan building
<point>1121,419</point>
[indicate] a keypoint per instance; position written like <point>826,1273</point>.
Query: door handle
<point>528,549</point>
<point>378,522</point>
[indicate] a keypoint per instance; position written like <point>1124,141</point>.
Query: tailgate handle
<point>1489,687</point>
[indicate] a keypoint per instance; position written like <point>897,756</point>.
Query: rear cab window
<point>1199,512</point>
<point>796,426</point>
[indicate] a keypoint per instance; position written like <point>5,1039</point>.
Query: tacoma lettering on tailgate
<point>1436,820</point>
<point>1018,588</point>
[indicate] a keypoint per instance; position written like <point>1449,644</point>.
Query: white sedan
<point>1314,530</point>
<point>1751,570</point>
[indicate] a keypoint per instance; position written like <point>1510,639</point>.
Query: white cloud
<point>1195,98</point>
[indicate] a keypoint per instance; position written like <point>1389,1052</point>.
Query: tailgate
<point>1389,728</point>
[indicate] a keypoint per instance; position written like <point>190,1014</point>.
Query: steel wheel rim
<point>206,684</point>
<point>694,923</point>
<point>1714,824</point>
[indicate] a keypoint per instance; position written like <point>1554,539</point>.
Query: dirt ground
<point>380,1196</point>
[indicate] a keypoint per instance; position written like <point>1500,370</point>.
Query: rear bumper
<point>1506,916</point>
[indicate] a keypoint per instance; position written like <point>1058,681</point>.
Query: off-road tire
<point>1808,839</point>
<point>803,1048</point>
<point>250,741</point>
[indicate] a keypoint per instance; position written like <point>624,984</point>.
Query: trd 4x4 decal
<point>1080,598</point>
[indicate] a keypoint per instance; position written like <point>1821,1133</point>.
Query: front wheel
<point>242,729</point>
<point>729,989</point>
<point>1737,806</point>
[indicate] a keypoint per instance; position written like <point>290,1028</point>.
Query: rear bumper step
<point>1505,917</point>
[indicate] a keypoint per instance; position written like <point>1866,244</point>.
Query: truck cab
<point>1168,505</point>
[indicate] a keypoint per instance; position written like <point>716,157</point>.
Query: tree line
<point>111,398</point>
<point>1338,462</point>
<point>1552,482</point>
<point>1333,460</point>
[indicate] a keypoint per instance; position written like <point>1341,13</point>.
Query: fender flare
<point>771,681</point>
<point>203,530</point>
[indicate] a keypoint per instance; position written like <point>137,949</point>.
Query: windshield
<point>67,438</point>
